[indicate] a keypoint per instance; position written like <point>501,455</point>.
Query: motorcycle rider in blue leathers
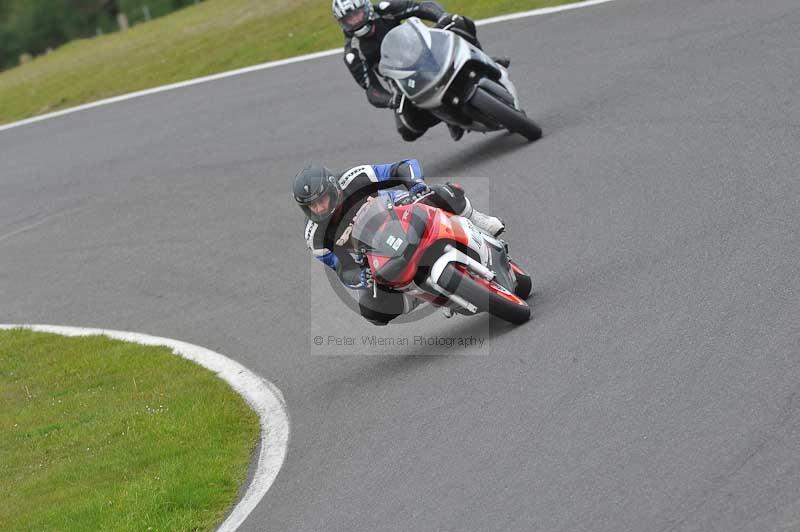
<point>330,202</point>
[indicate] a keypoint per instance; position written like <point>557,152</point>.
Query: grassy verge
<point>211,37</point>
<point>97,434</point>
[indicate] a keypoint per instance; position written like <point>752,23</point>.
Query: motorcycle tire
<point>512,119</point>
<point>524,283</point>
<point>487,296</point>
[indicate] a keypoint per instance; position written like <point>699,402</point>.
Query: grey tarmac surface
<point>657,386</point>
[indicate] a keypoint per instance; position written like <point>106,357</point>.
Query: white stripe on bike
<point>272,64</point>
<point>263,396</point>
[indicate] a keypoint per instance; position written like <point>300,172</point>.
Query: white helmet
<point>354,16</point>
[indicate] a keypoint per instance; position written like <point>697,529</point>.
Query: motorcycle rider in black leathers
<point>365,26</point>
<point>330,202</point>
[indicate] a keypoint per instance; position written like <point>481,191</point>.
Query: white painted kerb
<point>262,396</point>
<point>274,64</point>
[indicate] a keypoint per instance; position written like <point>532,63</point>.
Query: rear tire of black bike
<point>495,109</point>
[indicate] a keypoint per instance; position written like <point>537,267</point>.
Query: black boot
<point>456,132</point>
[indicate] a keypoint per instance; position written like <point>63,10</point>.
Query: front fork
<point>453,255</point>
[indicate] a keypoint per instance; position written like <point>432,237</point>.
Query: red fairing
<point>492,286</point>
<point>439,227</point>
<point>517,269</point>
<point>376,262</point>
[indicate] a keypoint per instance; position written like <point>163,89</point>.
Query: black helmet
<point>316,189</point>
<point>354,16</point>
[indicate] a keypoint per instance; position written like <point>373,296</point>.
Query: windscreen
<point>405,50</point>
<point>378,230</point>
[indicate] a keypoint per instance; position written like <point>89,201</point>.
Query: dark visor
<point>353,20</point>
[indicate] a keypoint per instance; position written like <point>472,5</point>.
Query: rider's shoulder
<point>389,7</point>
<point>356,175</point>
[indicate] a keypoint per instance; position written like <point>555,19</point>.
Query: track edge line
<point>273,64</point>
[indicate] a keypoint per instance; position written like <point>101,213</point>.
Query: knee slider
<point>409,136</point>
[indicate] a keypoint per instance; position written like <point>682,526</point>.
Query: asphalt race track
<point>657,386</point>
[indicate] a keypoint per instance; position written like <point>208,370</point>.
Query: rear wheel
<point>490,106</point>
<point>487,296</point>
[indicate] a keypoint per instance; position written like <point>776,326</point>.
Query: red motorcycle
<point>440,258</point>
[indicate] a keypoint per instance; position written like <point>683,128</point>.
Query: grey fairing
<point>426,88</point>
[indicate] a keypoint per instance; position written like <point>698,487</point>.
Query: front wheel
<point>512,119</point>
<point>524,283</point>
<point>487,296</point>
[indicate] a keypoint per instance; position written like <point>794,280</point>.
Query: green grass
<point>97,434</point>
<point>211,37</point>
